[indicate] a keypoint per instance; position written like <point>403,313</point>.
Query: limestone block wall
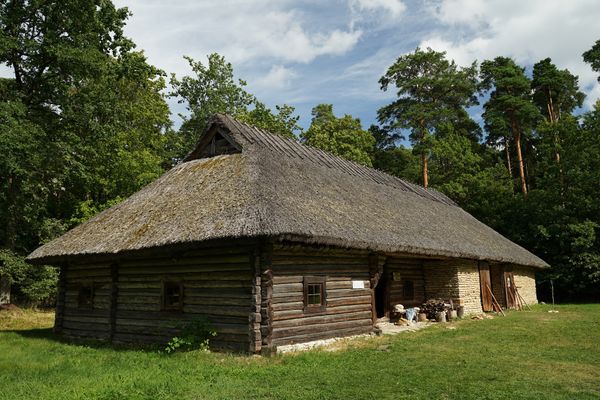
<point>441,280</point>
<point>525,282</point>
<point>469,287</point>
<point>454,279</point>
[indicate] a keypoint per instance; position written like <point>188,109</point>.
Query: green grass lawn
<point>526,355</point>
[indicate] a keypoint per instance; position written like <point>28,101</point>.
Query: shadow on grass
<point>50,335</point>
<point>40,333</point>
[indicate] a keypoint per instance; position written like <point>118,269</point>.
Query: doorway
<point>485,282</point>
<point>381,297</point>
<point>510,289</point>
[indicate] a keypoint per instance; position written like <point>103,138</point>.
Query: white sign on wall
<point>358,284</point>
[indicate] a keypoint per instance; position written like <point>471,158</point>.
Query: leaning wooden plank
<point>497,305</point>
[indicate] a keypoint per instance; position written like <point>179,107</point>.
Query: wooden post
<point>114,294</point>
<point>266,295</point>
<point>60,299</point>
<point>376,263</point>
<point>255,318</point>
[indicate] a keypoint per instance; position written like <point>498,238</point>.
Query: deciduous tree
<point>342,136</point>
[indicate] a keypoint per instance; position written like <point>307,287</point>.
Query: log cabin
<point>276,243</point>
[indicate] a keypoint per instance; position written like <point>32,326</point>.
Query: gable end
<point>216,141</point>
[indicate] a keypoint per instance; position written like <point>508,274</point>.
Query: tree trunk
<point>508,161</point>
<point>425,169</point>
<point>553,118</point>
<point>520,158</point>
<point>424,160</point>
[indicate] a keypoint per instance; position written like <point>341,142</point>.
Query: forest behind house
<point>84,123</point>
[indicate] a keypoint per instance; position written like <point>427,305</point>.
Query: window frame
<point>315,280</point>
<point>163,295</point>
<point>405,289</point>
<point>82,286</point>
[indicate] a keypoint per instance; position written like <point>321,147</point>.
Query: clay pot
<point>440,316</point>
<point>460,311</point>
<point>422,317</point>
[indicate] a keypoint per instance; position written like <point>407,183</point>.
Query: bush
<point>31,285</point>
<point>195,335</point>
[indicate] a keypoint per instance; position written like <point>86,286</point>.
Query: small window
<point>85,296</point>
<point>172,295</point>
<point>408,290</point>
<point>314,293</point>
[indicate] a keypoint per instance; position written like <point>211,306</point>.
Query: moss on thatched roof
<point>270,186</point>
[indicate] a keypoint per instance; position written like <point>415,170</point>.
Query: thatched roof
<point>251,183</point>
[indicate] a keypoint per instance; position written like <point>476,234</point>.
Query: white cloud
<point>528,31</point>
<point>242,31</point>
<point>278,77</point>
<point>394,7</point>
<point>362,78</point>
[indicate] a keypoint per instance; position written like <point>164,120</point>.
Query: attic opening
<point>220,145</point>
<point>217,141</point>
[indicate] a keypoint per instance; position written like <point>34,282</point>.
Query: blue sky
<point>308,52</point>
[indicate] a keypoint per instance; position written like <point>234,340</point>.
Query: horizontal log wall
<point>398,271</point>
<point>85,323</point>
<point>348,310</point>
<point>217,283</point>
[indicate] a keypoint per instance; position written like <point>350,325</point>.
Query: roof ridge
<point>330,160</point>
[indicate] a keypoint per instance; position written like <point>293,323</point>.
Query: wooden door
<point>509,288</point>
<point>486,287</point>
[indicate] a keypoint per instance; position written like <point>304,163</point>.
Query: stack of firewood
<point>433,306</point>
